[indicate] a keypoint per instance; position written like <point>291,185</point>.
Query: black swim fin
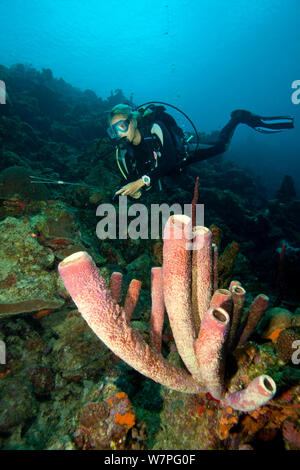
<point>268,125</point>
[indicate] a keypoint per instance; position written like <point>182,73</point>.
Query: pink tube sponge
<point>177,277</point>
<point>201,271</point>
<point>209,350</point>
<point>258,393</point>
<point>115,286</point>
<point>109,322</point>
<point>256,311</point>
<point>158,308</point>
<point>132,297</point>
<point>205,325</point>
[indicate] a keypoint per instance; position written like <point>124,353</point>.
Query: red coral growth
<point>127,420</point>
<point>200,409</point>
<point>18,205</point>
<point>11,207</point>
<point>4,373</point>
<point>227,421</point>
<point>274,335</point>
<point>208,395</point>
<point>43,313</point>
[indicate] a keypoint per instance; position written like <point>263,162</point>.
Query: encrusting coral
<point>204,323</point>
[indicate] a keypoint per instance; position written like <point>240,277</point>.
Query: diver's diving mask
<point>116,130</point>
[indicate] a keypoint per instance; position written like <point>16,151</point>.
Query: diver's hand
<point>136,195</point>
<point>131,189</point>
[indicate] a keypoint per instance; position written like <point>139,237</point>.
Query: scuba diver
<point>149,143</point>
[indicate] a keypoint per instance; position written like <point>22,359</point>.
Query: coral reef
<point>104,425</point>
<point>56,371</point>
<point>27,283</point>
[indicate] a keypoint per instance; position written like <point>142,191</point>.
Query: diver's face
<point>124,127</point>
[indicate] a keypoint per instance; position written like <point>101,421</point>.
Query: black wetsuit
<point>151,158</point>
<point>156,159</point>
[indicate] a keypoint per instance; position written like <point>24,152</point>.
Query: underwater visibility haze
<point>208,58</point>
<point>130,342</point>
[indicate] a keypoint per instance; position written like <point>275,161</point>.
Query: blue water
<point>206,56</point>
